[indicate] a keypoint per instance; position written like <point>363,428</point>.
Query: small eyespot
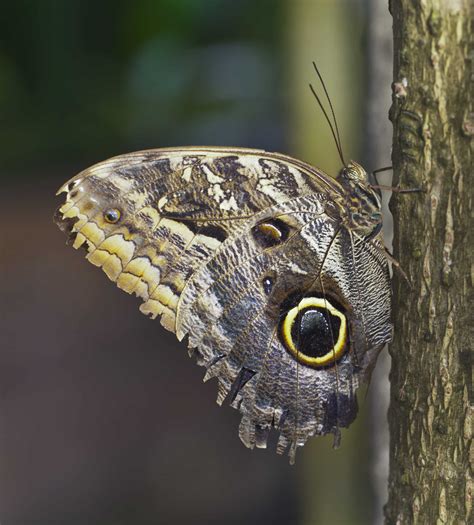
<point>271,232</point>
<point>112,216</point>
<point>267,285</point>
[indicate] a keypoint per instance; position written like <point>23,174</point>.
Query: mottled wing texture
<point>190,243</point>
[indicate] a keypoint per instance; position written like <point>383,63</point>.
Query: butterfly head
<point>353,173</point>
<point>355,180</point>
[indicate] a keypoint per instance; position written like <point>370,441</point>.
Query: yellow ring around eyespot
<point>269,230</point>
<point>334,354</point>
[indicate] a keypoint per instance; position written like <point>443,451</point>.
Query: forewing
<point>176,209</point>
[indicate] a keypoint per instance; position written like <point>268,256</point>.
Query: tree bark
<point>431,410</point>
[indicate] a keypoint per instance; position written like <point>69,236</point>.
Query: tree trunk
<point>431,406</point>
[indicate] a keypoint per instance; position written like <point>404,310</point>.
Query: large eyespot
<point>315,332</point>
<point>112,216</point>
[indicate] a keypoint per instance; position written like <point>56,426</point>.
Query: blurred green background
<point>103,418</point>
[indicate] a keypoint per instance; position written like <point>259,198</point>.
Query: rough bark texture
<point>431,410</point>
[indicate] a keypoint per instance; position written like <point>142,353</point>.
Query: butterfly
<point>274,272</point>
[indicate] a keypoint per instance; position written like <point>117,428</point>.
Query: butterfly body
<point>273,270</point>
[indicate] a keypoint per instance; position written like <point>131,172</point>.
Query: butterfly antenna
<point>335,129</point>
<point>329,122</point>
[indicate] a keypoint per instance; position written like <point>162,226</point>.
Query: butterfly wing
<point>223,244</point>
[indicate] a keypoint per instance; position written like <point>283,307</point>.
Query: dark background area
<point>103,417</point>
<point>85,79</point>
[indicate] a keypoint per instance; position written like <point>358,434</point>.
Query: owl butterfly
<point>274,271</point>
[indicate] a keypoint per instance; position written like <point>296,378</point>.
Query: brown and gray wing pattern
<point>216,242</point>
<point>177,207</point>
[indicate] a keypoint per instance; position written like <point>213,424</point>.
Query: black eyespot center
<point>112,215</point>
<point>315,331</point>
